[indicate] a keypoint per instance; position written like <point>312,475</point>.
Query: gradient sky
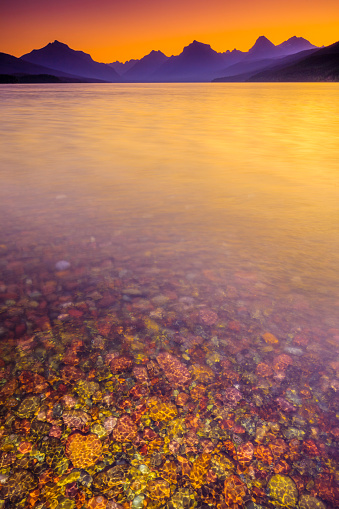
<point>122,29</point>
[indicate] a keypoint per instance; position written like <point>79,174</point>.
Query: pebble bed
<point>130,382</point>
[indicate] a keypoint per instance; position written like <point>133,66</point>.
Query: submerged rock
<point>282,489</point>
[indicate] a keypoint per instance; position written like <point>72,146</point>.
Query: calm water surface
<point>201,225</point>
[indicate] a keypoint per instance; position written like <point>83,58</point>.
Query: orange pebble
<point>25,447</point>
<point>98,502</point>
<point>270,338</point>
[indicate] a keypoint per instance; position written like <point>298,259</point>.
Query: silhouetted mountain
<point>122,67</point>
<point>61,57</point>
<point>262,48</point>
<point>245,70</point>
<point>13,65</point>
<point>295,45</point>
<point>321,65</point>
<point>147,66</point>
<point>16,70</point>
<point>197,62</point>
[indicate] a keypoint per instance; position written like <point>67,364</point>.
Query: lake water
<point>186,355</point>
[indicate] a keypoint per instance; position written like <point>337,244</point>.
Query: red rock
<point>282,467</point>
<point>71,490</point>
<point>238,429</point>
<point>234,490</point>
<point>140,373</point>
<point>106,301</point>
<point>149,434</point>
<point>281,362</point>
<point>125,430</point>
<point>234,325</point>
<point>121,364</point>
<point>310,448</point>
<point>175,371</point>
<point>20,330</point>
<point>208,316</point>
<point>232,395</point>
<point>43,323</point>
<point>264,370</point>
<point>76,313</point>
<point>55,431</point>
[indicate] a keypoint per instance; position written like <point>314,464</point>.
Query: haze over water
<point>222,176</point>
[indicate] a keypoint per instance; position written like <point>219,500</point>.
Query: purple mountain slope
<point>246,66</point>
<point>61,57</point>
<point>16,66</point>
<point>122,67</point>
<point>264,54</point>
<point>312,65</point>
<point>295,45</point>
<point>262,48</point>
<point>197,62</point>
<point>244,71</point>
<point>144,68</point>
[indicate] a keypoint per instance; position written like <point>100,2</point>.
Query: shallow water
<point>196,219</point>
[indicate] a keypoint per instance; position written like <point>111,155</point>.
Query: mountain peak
<point>197,48</point>
<point>294,38</point>
<point>156,52</point>
<point>262,43</point>
<point>295,44</point>
<point>197,44</point>
<point>57,55</point>
<point>262,48</point>
<point>57,44</point>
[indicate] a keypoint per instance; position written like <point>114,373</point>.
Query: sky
<point>111,30</point>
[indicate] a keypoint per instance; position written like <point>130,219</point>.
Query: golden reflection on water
<point>247,174</point>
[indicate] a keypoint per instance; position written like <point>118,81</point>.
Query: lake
<point>169,295</point>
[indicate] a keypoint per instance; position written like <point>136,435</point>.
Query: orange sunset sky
<point>120,30</point>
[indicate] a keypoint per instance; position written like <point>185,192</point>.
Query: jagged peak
<point>197,44</point>
<point>59,44</point>
<point>197,48</point>
<point>156,52</point>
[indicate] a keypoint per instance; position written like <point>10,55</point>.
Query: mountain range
<point>293,60</point>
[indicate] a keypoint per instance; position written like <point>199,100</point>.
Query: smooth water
<point>227,176</point>
<point>203,210</point>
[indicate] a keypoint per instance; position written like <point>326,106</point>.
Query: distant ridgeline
<point>293,60</point>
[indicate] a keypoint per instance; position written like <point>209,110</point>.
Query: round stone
<point>83,450</point>
<point>282,489</point>
<point>308,502</point>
